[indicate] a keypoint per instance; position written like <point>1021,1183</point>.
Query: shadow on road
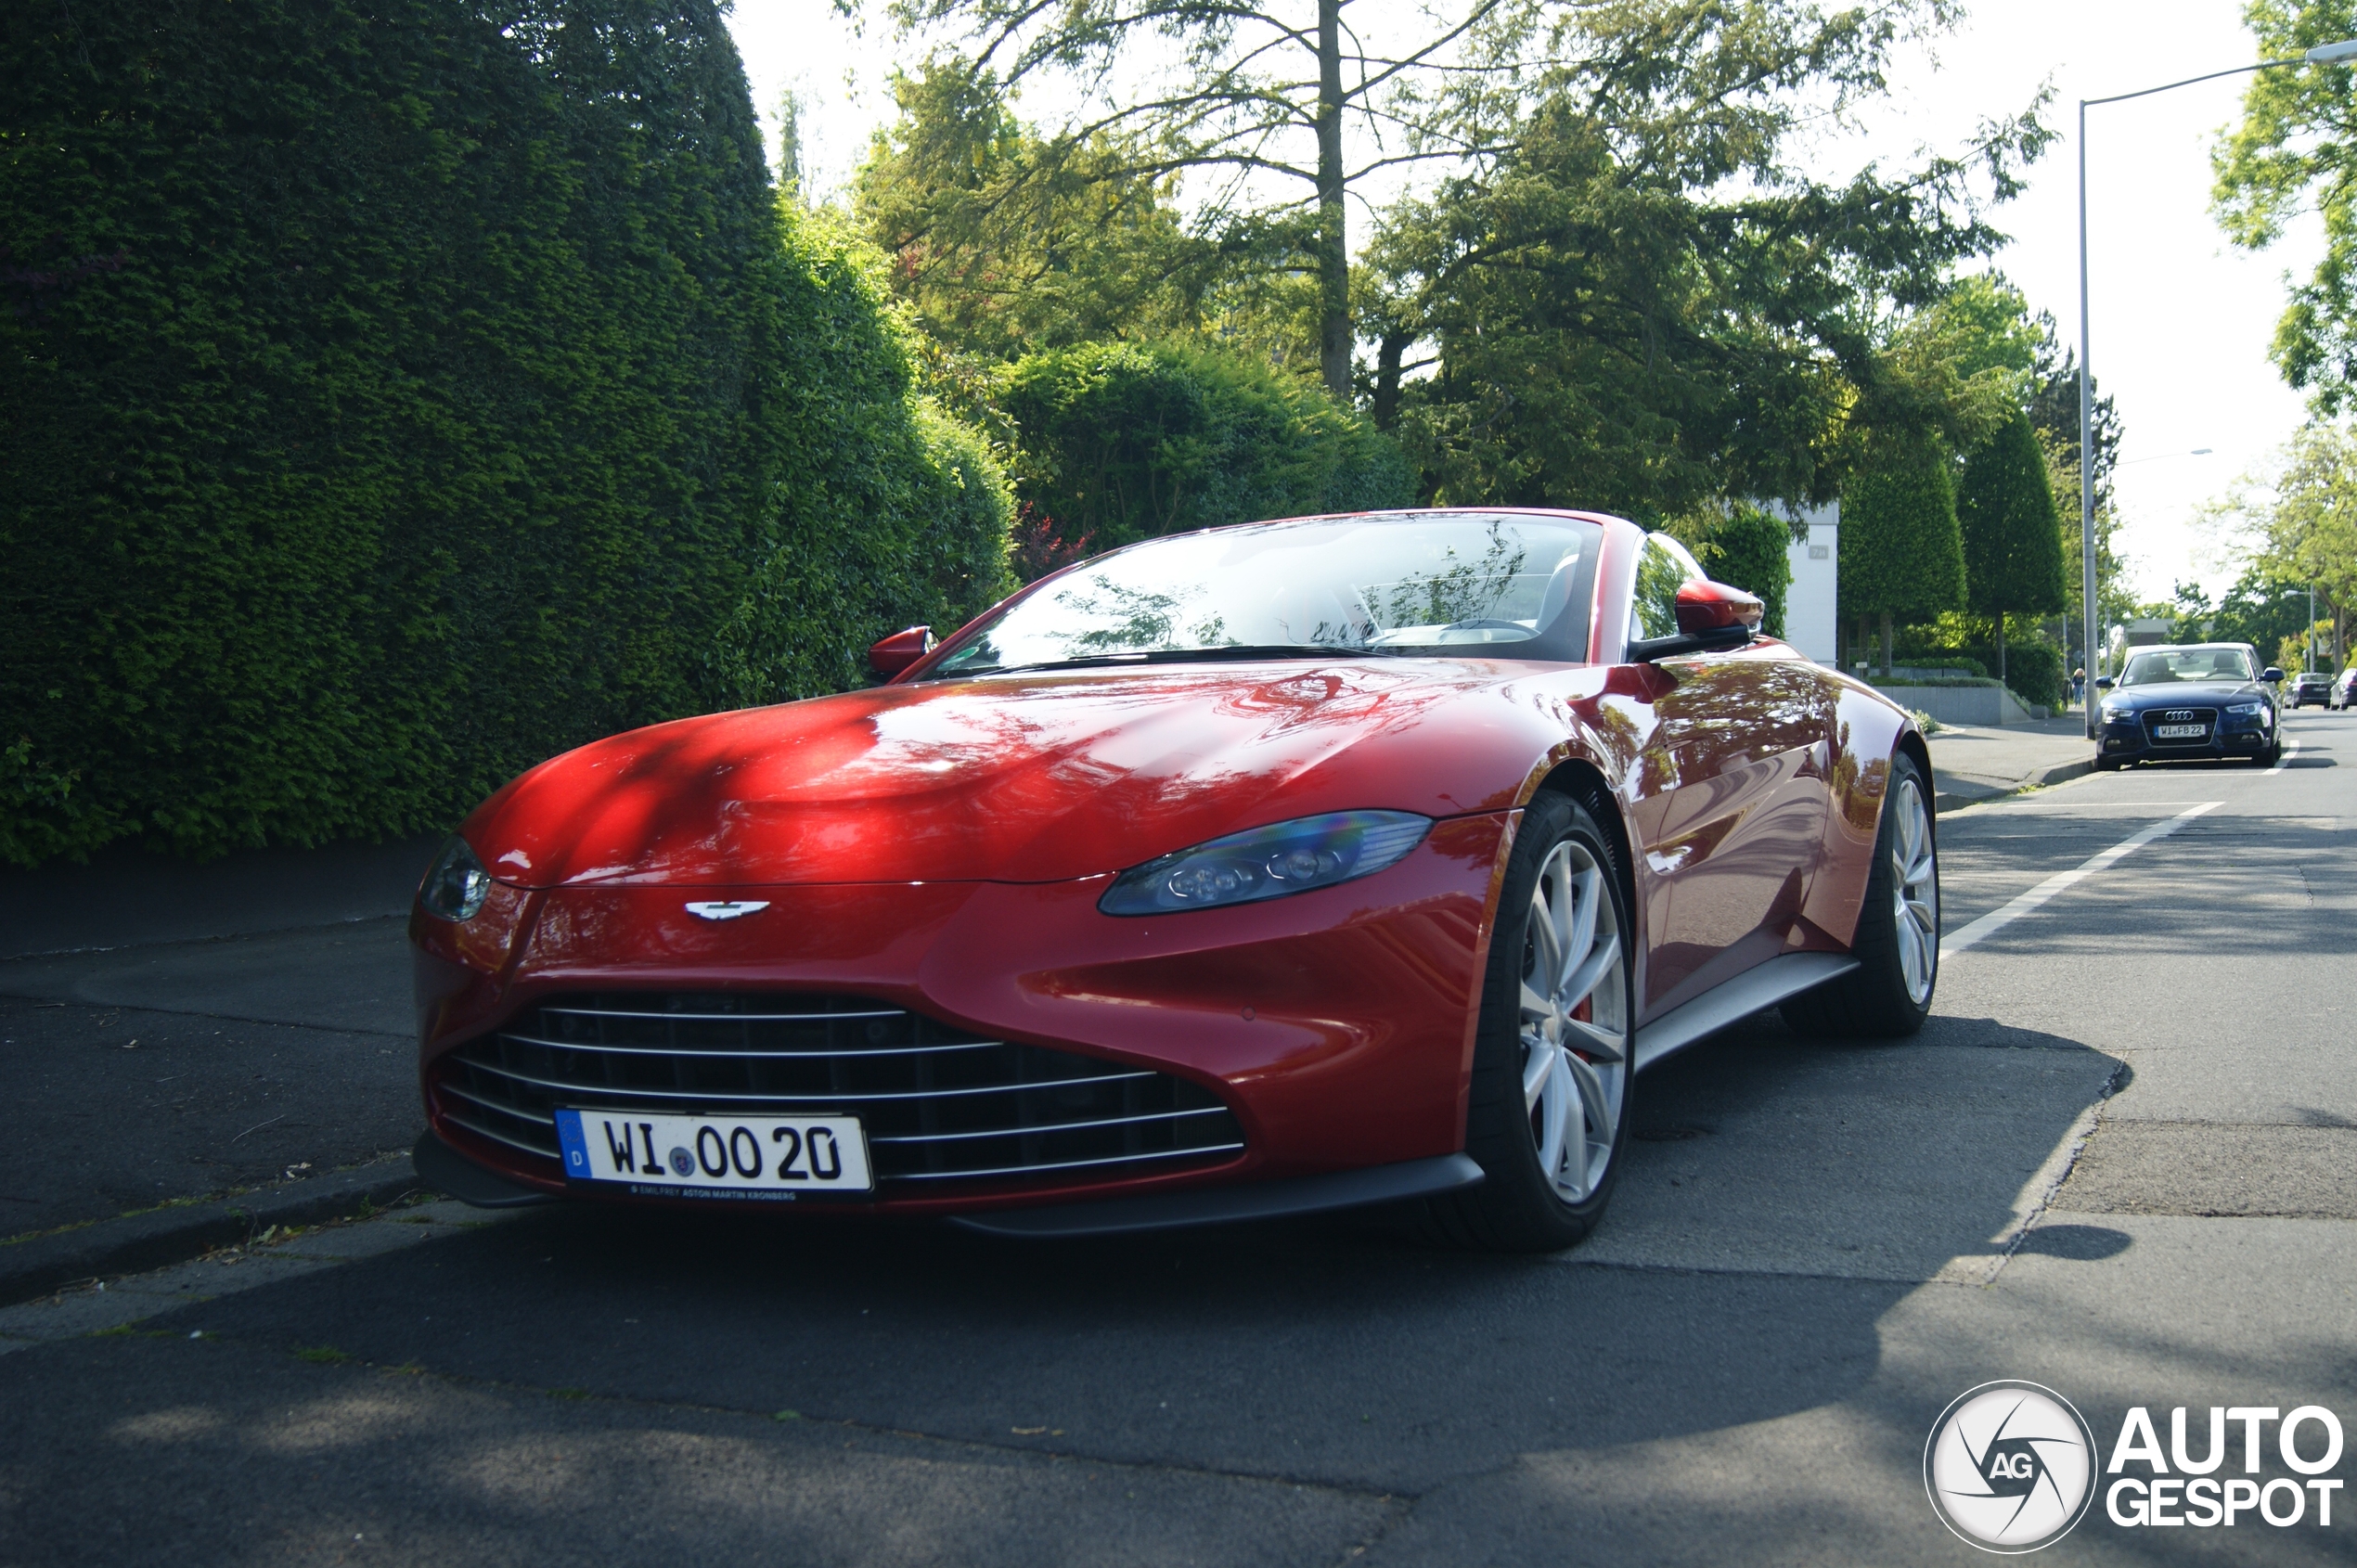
<point>1335,1352</point>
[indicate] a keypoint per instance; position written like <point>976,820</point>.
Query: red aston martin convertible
<point>1288,867</point>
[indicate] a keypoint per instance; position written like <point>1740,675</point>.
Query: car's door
<point>1728,796</point>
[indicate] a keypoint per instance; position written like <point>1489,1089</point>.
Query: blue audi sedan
<point>2205,700</point>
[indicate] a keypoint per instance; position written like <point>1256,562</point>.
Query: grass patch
<point>324,1354</point>
<point>568,1393</point>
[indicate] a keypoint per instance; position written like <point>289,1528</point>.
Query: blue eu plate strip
<point>577,1152</point>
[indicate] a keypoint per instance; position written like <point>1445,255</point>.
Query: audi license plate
<point>772,1158</point>
<point>2180,731</point>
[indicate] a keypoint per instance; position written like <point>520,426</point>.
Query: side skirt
<point>1787,974</point>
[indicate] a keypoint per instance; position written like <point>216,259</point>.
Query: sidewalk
<point>196,1052</point>
<point>1970,763</point>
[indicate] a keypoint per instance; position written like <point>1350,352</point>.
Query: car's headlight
<point>2120,715</point>
<point>1287,857</point>
<point>456,885</point>
<point>2247,708</point>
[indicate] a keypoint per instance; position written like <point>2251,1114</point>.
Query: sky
<point>2181,319</point>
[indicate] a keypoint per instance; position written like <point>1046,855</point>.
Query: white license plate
<point>2180,731</point>
<point>768,1157</point>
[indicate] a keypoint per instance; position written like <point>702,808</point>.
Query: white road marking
<point>1996,921</point>
<point>2291,750</point>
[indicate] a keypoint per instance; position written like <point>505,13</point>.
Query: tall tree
<point>2296,151</point>
<point>1902,558</point>
<point>1006,242</point>
<point>2012,534</point>
<point>1605,328</point>
<point>2303,520</point>
<point>1286,93</point>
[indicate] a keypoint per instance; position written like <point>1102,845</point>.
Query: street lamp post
<point>2324,53</point>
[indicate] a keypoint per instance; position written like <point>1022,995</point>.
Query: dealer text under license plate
<point>742,1157</point>
<point>2180,731</point>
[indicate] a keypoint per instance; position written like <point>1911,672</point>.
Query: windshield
<point>1511,585</point>
<point>2159,666</point>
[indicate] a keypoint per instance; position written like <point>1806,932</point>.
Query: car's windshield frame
<point>1560,633</point>
<point>2152,660</point>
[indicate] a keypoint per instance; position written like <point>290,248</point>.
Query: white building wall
<point>1816,574</point>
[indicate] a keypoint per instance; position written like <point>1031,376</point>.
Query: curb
<point>136,1243</point>
<point>2061,773</point>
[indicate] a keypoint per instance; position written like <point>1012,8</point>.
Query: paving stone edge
<point>135,1243</point>
<point>2062,773</point>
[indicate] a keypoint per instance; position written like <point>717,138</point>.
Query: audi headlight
<point>2120,715</point>
<point>456,885</point>
<point>2247,708</point>
<point>1271,862</point>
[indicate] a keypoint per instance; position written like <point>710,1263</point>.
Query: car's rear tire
<point>1888,995</point>
<point>1548,1111</point>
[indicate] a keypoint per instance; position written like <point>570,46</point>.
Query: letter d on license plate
<point>760,1157</point>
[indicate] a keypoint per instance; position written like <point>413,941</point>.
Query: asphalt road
<point>2120,1162</point>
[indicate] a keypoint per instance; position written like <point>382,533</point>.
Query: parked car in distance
<point>2309,685</point>
<point>2189,703</point>
<point>2344,690</point>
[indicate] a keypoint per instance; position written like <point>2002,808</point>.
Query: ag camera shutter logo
<point>2010,1467</point>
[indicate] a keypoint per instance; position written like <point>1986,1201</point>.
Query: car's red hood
<point>1025,779</point>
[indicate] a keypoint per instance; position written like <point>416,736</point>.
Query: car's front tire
<point>1555,1052</point>
<point>1888,995</point>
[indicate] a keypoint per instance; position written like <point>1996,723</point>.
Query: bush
<point>398,394</point>
<point>2034,671</point>
<point>1122,442</point>
<point>1962,666</point>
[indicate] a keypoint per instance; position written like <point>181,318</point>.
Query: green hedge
<point>1121,441</point>
<point>897,514</point>
<point>398,394</point>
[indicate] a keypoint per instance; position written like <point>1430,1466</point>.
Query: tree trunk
<point>1886,644</point>
<point>1333,254</point>
<point>1386,408</point>
<point>2001,650</point>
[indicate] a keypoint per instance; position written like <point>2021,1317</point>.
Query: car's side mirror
<point>2272,676</point>
<point>1713,607</point>
<point>2105,683</point>
<point>896,652</point>
<point>1711,617</point>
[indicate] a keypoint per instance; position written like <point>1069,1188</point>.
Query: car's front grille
<point>2155,717</point>
<point>937,1104</point>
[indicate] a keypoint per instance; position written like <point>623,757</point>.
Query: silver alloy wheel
<point>1574,1071</point>
<point>1914,863</point>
